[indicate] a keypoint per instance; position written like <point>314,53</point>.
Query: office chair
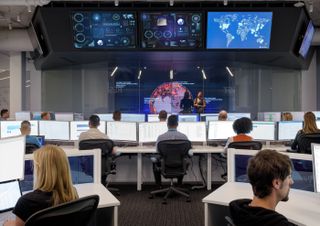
<point>173,154</point>
<point>108,164</point>
<point>229,221</point>
<point>30,148</point>
<point>305,140</point>
<point>78,212</point>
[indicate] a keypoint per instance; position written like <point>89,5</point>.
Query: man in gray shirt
<point>171,134</point>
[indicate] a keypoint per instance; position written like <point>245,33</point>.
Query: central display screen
<point>307,39</point>
<point>169,30</point>
<point>239,30</point>
<point>104,29</point>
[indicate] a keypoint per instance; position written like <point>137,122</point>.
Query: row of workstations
<point>146,132</point>
<point>304,197</point>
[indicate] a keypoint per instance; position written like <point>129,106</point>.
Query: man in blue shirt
<point>25,129</point>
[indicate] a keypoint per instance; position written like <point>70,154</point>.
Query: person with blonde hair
<point>309,126</point>
<point>52,185</point>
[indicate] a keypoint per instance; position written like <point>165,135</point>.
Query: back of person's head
<point>45,116</point>
<point>163,116</point>
<point>53,174</point>
<point>287,116</point>
<point>223,115</point>
<point>309,124</point>
<point>266,166</point>
<point>116,116</point>
<point>242,125</point>
<point>172,121</point>
<point>25,127</point>
<point>94,121</point>
<point>4,113</point>
<point>186,95</point>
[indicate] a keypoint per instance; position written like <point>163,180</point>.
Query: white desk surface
<point>303,208</point>
<point>106,198</point>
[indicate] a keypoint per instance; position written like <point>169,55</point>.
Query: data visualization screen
<point>12,128</point>
<point>195,131</point>
<point>287,130</point>
<point>220,130</point>
<point>100,29</point>
<point>149,131</point>
<point>263,131</point>
<point>54,130</point>
<point>9,194</point>
<point>239,30</point>
<point>169,30</point>
<point>122,131</point>
<point>77,127</point>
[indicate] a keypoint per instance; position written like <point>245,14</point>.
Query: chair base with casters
<point>112,171</point>
<point>171,190</point>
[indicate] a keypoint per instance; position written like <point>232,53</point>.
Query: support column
<point>35,88</point>
<point>15,83</point>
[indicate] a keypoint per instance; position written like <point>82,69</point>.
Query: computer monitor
<point>153,118</point>
<point>287,130</point>
<point>149,131</point>
<point>316,166</point>
<point>77,127</point>
<point>64,116</point>
<point>41,139</point>
<point>307,40</point>
<point>54,130</point>
<point>188,118</point>
<point>234,116</point>
<point>220,130</point>
<point>297,115</point>
<point>10,192</point>
<point>36,115</point>
<point>270,116</point>
<point>133,117</point>
<point>105,117</point>
<point>23,115</point>
<point>302,172</point>
<point>195,131</point>
<point>263,130</point>
<point>12,128</point>
<point>12,158</point>
<point>122,131</point>
<point>317,114</point>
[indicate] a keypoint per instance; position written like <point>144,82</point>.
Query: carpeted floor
<point>137,209</point>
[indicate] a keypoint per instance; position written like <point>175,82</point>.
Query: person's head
<point>5,114</point>
<point>52,174</point>
<point>200,94</point>
<point>172,122</point>
<point>45,116</point>
<point>242,125</point>
<point>186,95</point>
<point>270,172</point>
<point>163,116</point>
<point>287,116</point>
<point>25,128</point>
<point>309,124</point>
<point>116,116</point>
<point>94,121</point>
<point>223,115</point>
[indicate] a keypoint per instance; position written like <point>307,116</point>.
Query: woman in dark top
<point>309,126</point>
<point>53,184</point>
<point>186,103</point>
<point>199,103</point>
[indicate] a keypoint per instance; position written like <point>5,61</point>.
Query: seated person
<point>171,134</point>
<point>286,116</point>
<point>163,116</point>
<point>269,174</point>
<point>309,126</point>
<point>223,115</point>
<point>4,115</point>
<point>116,116</point>
<point>45,116</point>
<point>241,127</point>
<point>53,184</point>
<point>25,129</point>
<point>186,103</point>
<point>93,132</point>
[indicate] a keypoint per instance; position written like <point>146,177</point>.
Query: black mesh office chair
<point>108,164</point>
<point>305,140</point>
<point>173,154</point>
<point>78,212</point>
<point>30,148</point>
<point>251,145</point>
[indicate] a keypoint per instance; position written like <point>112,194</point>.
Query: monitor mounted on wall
<point>307,40</point>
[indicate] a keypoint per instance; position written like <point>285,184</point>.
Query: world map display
<point>243,30</point>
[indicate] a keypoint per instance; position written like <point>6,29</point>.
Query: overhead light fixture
<point>114,71</point>
<point>171,74</point>
<point>299,4</point>
<point>4,78</point>
<point>116,2</point>
<point>171,2</point>
<point>225,2</point>
<point>203,74</point>
<point>229,71</point>
<point>18,18</point>
<point>29,9</point>
<point>139,75</point>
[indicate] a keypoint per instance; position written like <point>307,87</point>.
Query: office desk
<point>151,149</point>
<point>301,209</point>
<point>107,200</point>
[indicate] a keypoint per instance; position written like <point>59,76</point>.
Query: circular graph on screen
<point>167,96</point>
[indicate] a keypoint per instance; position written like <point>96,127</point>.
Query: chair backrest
<point>78,212</point>
<point>229,221</point>
<point>30,148</point>
<point>251,145</point>
<point>105,145</point>
<point>305,140</point>
<point>173,157</point>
